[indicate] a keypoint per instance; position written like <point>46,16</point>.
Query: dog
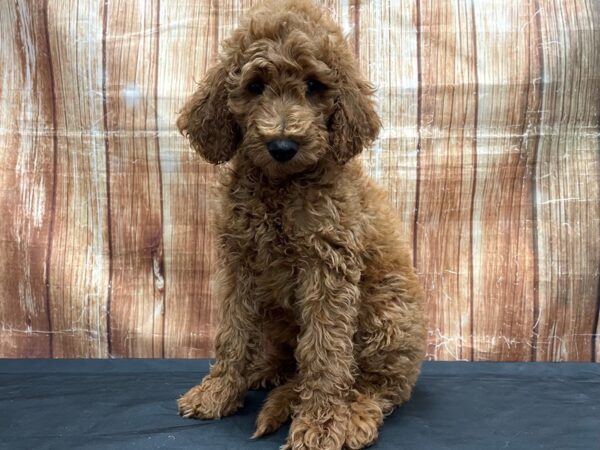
<point>317,292</point>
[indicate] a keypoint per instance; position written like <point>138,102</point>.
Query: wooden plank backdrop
<point>490,153</point>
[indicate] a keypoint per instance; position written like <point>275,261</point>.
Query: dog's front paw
<point>211,399</point>
<point>325,430</point>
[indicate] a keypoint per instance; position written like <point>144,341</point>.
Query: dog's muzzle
<point>282,149</point>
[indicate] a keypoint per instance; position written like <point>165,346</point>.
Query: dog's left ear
<point>354,123</point>
<point>207,121</point>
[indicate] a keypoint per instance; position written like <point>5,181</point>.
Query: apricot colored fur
<point>316,287</point>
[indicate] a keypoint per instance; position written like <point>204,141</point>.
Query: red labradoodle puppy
<point>318,295</point>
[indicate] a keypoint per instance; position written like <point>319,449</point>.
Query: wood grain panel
<point>567,181</point>
<point>490,152</point>
<point>509,96</point>
<point>388,54</point>
<point>78,274</point>
<point>131,36</point>
<point>189,43</point>
<point>447,115</point>
<point>26,179</point>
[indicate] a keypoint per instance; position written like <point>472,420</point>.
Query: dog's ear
<point>354,123</point>
<point>207,121</point>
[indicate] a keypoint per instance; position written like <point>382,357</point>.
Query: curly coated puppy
<point>317,291</point>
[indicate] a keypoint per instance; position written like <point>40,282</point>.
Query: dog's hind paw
<point>276,410</point>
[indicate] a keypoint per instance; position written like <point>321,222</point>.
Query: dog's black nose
<point>282,149</point>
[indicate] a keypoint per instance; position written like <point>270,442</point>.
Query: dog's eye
<point>256,87</point>
<point>314,87</point>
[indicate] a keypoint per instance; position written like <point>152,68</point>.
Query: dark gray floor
<point>130,404</point>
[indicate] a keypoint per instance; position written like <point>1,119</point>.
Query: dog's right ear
<point>206,120</point>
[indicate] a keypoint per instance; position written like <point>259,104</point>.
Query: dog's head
<point>287,92</point>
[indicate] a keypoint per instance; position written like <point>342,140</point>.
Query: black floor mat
<point>130,404</point>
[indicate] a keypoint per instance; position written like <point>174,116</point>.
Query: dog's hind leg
<point>271,368</point>
<point>272,360</point>
<point>276,365</point>
<point>276,409</point>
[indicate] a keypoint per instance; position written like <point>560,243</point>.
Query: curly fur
<point>317,291</point>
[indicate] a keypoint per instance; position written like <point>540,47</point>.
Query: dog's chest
<point>269,233</point>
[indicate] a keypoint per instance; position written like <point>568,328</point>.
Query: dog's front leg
<point>327,308</point>
<point>222,391</point>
